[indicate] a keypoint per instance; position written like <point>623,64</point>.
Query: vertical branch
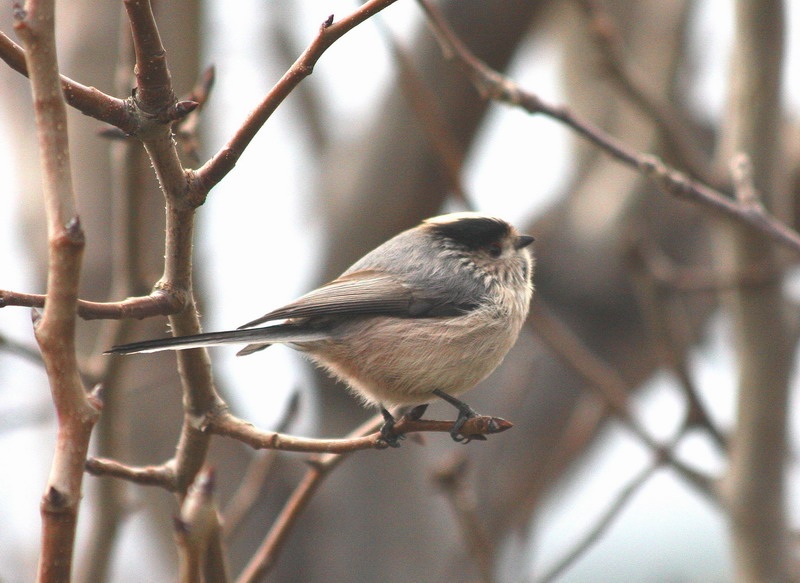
<point>199,534</point>
<point>55,331</point>
<point>763,341</point>
<point>157,107</point>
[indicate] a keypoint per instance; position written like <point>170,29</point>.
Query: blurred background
<point>383,134</point>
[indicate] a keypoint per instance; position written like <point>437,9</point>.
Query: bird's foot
<point>465,412</point>
<point>387,431</point>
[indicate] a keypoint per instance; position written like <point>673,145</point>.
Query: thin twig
<point>246,494</point>
<point>161,302</point>
<point>329,32</point>
<point>601,526</point>
<point>88,100</point>
<point>162,476</point>
<point>681,138</point>
<point>321,466</point>
<point>157,109</point>
<point>493,85</point>
<point>451,480</point>
<point>610,387</point>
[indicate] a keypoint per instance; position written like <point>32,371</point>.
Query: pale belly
<point>390,366</point>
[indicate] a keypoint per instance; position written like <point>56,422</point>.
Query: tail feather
<point>262,336</point>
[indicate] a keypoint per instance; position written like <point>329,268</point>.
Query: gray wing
<point>364,292</point>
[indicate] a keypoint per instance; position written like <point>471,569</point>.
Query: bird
<point>428,314</point>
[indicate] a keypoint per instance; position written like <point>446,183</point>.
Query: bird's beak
<point>523,241</point>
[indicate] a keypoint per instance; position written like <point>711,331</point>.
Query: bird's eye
<point>495,249</point>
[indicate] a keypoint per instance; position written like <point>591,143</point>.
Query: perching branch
<point>224,423</point>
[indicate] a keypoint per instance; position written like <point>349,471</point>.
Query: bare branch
<point>154,93</point>
<point>329,32</point>
<point>494,85</point>
<point>198,533</point>
<point>159,303</point>
<point>451,480</point>
<point>162,476</point>
<point>55,332</point>
<point>267,554</point>
<point>224,423</point>
<point>88,100</point>
<point>601,526</point>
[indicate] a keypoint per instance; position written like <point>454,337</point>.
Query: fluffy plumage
<point>433,310</point>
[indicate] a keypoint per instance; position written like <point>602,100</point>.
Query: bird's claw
<point>387,431</point>
<point>455,431</point>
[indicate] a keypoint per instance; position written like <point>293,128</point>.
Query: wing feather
<point>362,292</point>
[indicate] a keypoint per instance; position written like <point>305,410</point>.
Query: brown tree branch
<point>329,32</point>
<point>679,135</point>
<point>267,554</point>
<point>154,94</point>
<point>160,303</point>
<point>751,140</point>
<point>224,423</point>
<point>451,481</point>
<point>88,100</point>
<point>199,535</point>
<point>157,108</point>
<point>162,475</point>
<point>493,85</point>
<point>55,332</point>
<point>601,526</point>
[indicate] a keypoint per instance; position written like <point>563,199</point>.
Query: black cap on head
<point>469,229</point>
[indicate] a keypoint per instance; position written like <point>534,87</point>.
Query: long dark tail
<point>264,336</point>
